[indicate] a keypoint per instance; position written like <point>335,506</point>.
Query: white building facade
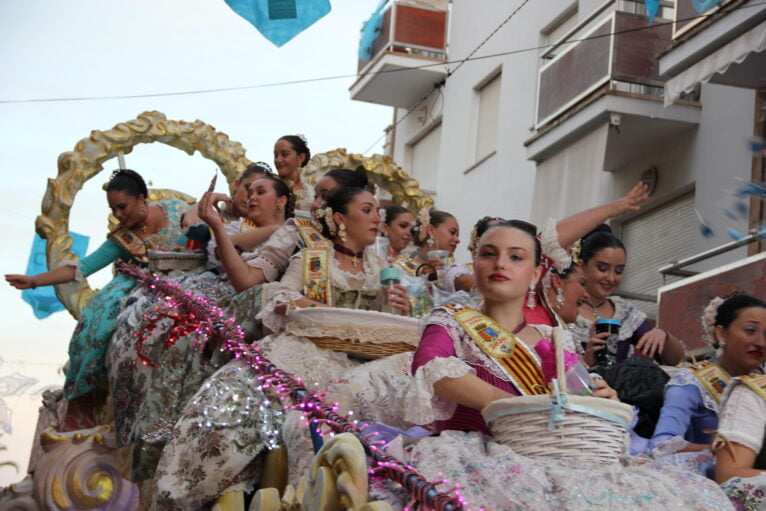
<point>562,109</point>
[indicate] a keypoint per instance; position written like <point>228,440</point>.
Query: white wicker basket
<point>560,426</point>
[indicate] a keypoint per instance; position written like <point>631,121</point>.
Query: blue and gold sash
<point>713,379</point>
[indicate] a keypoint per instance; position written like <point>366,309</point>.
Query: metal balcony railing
<point>610,50</point>
<point>405,28</point>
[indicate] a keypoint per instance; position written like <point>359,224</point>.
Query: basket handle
<point>558,347</point>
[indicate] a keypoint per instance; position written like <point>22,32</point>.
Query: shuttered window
<point>489,108</point>
<point>654,239</point>
<point>424,164</point>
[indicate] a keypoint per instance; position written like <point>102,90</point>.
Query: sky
<point>86,48</point>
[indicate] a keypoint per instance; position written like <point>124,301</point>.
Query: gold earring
<point>342,232</point>
<point>142,209</point>
<point>279,210</point>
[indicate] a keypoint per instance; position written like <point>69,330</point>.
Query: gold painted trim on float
<point>86,160</point>
<point>381,170</point>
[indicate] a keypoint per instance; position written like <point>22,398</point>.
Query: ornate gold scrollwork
<point>337,479</point>
<point>79,471</point>
<point>382,170</point>
<point>86,160</point>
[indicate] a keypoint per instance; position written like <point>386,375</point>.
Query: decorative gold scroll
<point>86,160</point>
<point>381,170</point>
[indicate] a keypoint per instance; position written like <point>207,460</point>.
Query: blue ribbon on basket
<point>558,405</point>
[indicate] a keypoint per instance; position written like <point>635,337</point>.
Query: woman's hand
<point>631,201</point>
<point>208,212</point>
<point>652,343</point>
<point>602,389</point>
<point>20,281</point>
<point>596,342</point>
<point>398,298</point>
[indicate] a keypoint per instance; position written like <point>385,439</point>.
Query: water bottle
<point>389,277</point>
<point>613,327</point>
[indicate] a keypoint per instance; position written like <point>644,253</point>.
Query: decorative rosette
<point>708,322</point>
<point>424,218</point>
<point>325,214</point>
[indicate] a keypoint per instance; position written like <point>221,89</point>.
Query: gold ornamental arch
<point>86,160</point>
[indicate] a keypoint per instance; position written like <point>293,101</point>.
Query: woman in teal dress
<point>142,226</point>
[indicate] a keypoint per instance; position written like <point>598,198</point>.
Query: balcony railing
<point>612,50</point>
<point>687,17</point>
<point>405,28</point>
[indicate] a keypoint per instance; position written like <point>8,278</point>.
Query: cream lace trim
<point>350,332</point>
<point>425,407</point>
<point>669,446</point>
<point>467,350</point>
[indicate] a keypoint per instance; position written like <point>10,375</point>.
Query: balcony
<point>608,73</point>
<point>403,52</point>
<point>725,45</point>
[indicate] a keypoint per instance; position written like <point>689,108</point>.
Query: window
<point>654,239</point>
<point>424,160</point>
<point>557,29</point>
<point>489,108</point>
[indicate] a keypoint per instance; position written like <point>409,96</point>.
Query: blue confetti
<point>751,189</point>
<point>706,231</point>
<point>742,209</point>
<point>736,235</point>
<point>756,146</point>
<point>730,214</point>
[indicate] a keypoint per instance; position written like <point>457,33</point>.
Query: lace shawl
<point>427,406</point>
<point>363,287</point>
<point>630,318</point>
<point>274,256</point>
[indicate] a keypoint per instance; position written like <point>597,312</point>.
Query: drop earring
<point>342,232</point>
<point>559,299</point>
<point>531,303</point>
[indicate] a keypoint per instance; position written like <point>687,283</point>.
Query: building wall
<point>706,158</point>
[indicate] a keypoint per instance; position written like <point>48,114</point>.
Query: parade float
<point>75,462</point>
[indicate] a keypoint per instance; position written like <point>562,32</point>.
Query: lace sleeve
<point>552,249</point>
<point>743,418</point>
<point>425,407</point>
<point>274,257</point>
<point>212,246</point>
<point>452,273</point>
<point>287,290</point>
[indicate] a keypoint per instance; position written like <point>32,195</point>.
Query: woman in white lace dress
<point>461,366</point>
<point>216,444</point>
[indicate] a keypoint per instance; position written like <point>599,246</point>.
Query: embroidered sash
<point>316,263</point>
<point>407,264</point>
<point>713,378</point>
<point>519,361</point>
<point>131,242</point>
<point>757,383</point>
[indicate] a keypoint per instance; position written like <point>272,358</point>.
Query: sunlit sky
<point>84,48</point>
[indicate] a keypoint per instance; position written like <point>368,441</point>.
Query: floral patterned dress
<point>148,400</point>
<point>493,477</point>
<point>231,420</point>
<point>87,348</point>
